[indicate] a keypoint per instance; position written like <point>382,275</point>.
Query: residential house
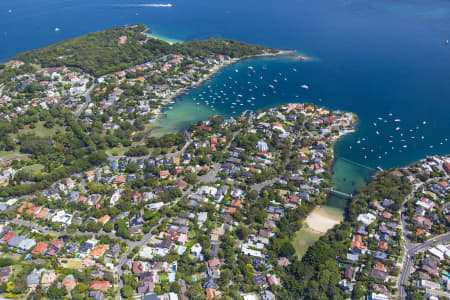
<point>103,286</point>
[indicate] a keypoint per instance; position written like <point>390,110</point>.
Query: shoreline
<point>214,71</point>
<point>163,38</point>
<point>326,216</point>
<point>320,221</point>
<point>321,218</point>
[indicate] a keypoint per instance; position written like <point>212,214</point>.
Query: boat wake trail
<point>146,5</point>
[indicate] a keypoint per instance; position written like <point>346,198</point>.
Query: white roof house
<point>425,203</point>
<point>367,218</point>
<point>201,217</point>
<point>172,296</point>
<point>250,297</point>
<point>207,190</point>
<point>251,252</point>
<point>262,146</point>
<point>146,252</point>
<point>62,218</point>
<point>27,244</point>
<point>375,296</point>
<point>114,198</point>
<point>155,206</point>
<point>444,249</point>
<point>430,285</point>
<point>437,253</point>
<point>196,250</point>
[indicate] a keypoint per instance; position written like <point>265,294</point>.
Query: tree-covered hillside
<point>99,53</point>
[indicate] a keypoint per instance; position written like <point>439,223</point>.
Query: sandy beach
<point>320,220</point>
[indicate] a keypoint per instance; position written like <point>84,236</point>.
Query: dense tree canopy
<point>99,53</point>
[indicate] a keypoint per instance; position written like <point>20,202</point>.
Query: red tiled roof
<point>40,248</point>
<point>7,237</point>
<point>99,285</point>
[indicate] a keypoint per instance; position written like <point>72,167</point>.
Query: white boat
<point>397,120</point>
<point>295,70</point>
<point>271,86</point>
<point>304,86</point>
<point>157,5</point>
<point>57,29</point>
<point>398,128</point>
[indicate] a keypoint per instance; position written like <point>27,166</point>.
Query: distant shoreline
<point>163,38</point>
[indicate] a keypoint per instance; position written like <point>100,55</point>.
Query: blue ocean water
<point>382,59</point>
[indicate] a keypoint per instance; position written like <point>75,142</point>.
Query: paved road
<point>211,175</point>
<point>412,249</point>
<point>131,246</point>
<point>57,234</point>
<point>87,95</point>
<point>409,262</point>
<point>260,186</point>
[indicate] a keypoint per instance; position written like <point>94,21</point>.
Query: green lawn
<point>11,155</point>
<point>163,276</point>
<point>71,264</point>
<point>13,256</point>
<point>121,150</point>
<point>304,238</point>
<point>33,169</point>
<point>41,130</point>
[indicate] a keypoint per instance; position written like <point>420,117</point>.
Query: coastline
<point>214,70</point>
<point>156,36</point>
<point>320,219</point>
